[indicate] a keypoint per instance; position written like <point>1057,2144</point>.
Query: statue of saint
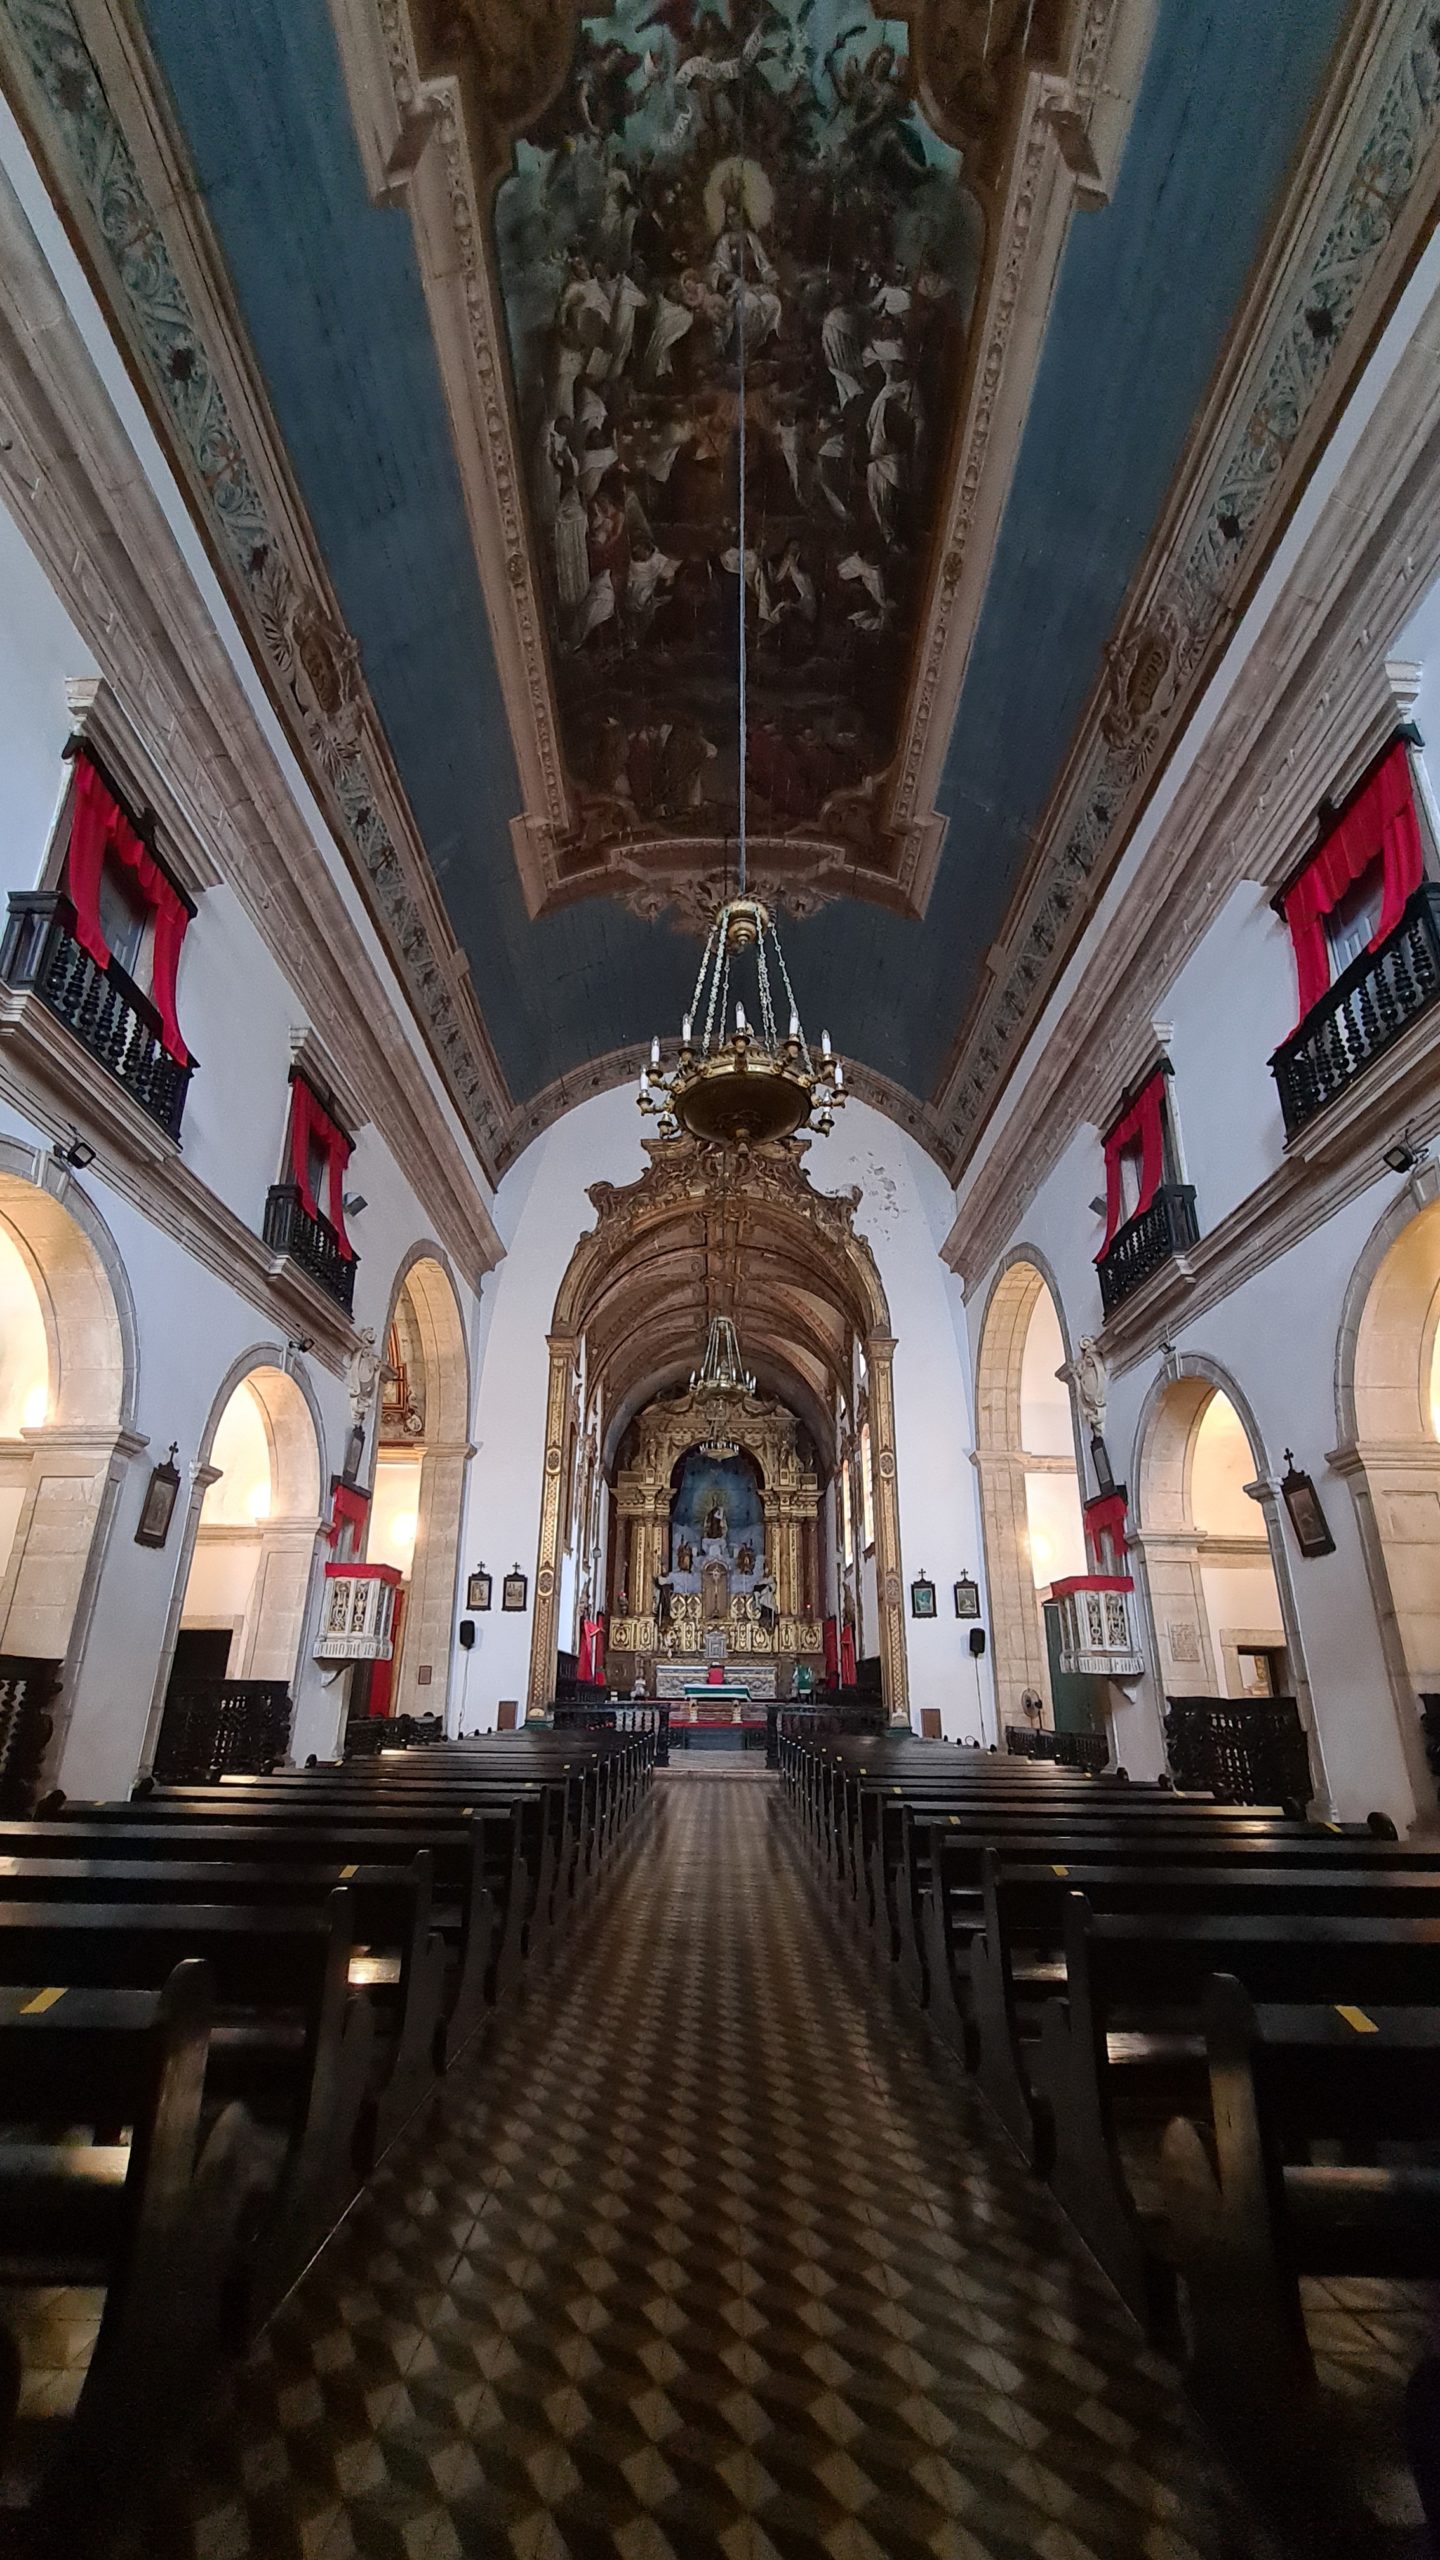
<point>715,1521</point>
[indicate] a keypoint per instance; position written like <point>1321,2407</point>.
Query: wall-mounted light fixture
<point>355,1201</point>
<point>1307,1514</point>
<point>1403,1155</point>
<point>75,1154</point>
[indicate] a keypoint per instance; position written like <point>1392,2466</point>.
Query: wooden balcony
<point>1147,1241</point>
<point>311,1243</point>
<point>1369,1006</point>
<point>103,1007</point>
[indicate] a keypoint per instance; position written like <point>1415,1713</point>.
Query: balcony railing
<point>103,1007</point>
<point>310,1242</point>
<point>1240,1750</point>
<point>1152,1237</point>
<point>216,1727</point>
<point>1368,1007</point>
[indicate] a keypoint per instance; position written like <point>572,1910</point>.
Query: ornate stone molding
<point>1316,697</point>
<point>437,95</point>
<point>89,92</point>
<point>70,478</point>
<point>1362,204</point>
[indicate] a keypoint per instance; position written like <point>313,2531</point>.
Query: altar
<point>676,1680</point>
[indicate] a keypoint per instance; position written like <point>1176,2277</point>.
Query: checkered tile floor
<point>705,2259</point>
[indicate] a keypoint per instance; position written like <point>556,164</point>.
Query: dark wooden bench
<point>1120,2051</point>
<point>152,2222</point>
<point>1252,2211</point>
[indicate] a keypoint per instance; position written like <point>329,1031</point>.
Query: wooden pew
<point>153,2222</point>
<point>1251,2212</point>
<point>1120,2049</point>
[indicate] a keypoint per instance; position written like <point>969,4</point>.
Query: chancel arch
<point>698,1236</point>
<point>1029,1479</point>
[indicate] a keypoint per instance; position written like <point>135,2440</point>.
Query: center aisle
<point>707,2259</point>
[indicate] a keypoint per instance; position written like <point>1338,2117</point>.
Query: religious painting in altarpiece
<point>718,185</point>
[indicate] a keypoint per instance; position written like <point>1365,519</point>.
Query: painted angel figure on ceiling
<point>874,96</point>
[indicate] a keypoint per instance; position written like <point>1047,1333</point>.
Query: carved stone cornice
<point>1361,205</point>
<point>438,90</point>
<point>70,478</point>
<point>1316,698</point>
<point>89,92</point>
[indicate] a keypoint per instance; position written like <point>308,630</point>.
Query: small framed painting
<point>922,1597</point>
<point>158,1508</point>
<point>1307,1516</point>
<point>515,1589</point>
<point>967,1597</point>
<point>477,1589</point>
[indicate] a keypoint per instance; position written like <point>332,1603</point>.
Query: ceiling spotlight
<point>355,1201</point>
<point>75,1153</point>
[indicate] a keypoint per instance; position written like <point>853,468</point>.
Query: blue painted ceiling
<point>330,294</point>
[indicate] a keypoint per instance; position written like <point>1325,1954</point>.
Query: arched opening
<point>64,1398</point>
<point>1029,1483</point>
<point>686,1243</point>
<point>419,1485</point>
<point>1390,1446</point>
<point>1219,1620</point>
<point>247,1588</point>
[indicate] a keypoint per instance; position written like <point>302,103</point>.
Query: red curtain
<point>310,1122</point>
<point>847,1656</point>
<point>1142,1125</point>
<point>349,1511</point>
<point>1381,821</point>
<point>592,1647</point>
<point>99,826</point>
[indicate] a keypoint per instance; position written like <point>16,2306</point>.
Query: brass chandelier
<point>738,1082</point>
<point>720,1377</point>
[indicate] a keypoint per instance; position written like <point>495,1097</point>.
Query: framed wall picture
<point>922,1597</point>
<point>158,1508</point>
<point>967,1597</point>
<point>515,1589</point>
<point>1307,1515</point>
<point>477,1589</point>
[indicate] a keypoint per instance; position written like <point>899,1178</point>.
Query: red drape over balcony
<point>98,825</point>
<point>310,1123</point>
<point>1142,1125</point>
<point>1380,823</point>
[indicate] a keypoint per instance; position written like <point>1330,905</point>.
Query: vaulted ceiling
<point>1044,308</point>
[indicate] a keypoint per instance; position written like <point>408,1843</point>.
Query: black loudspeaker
<point>977,1640</point>
<point>467,1633</point>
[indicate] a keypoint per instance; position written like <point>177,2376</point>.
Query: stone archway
<point>67,1388</point>
<point>1028,1467</point>
<point>423,1442</point>
<point>253,1538</point>
<point>1209,1555</point>
<point>694,1237</point>
<point>1388,1411</point>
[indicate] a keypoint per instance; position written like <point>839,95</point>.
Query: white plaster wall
<point>1230,1007</point>
<point>541,1211</point>
<point>1276,1337</point>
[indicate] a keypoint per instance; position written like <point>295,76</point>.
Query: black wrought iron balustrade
<point>309,1241</point>
<point>1152,1237</point>
<point>103,1007</point>
<point>219,1727</point>
<point>1368,1007</point>
<point>1240,1750</point>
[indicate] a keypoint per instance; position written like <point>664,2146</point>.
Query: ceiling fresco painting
<point>728,188</point>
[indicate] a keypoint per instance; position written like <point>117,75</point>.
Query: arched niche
<point>254,1535</point>
<point>1030,1486</point>
<point>67,1386</point>
<point>1207,1546</point>
<point>419,1477</point>
<point>1388,1413</point>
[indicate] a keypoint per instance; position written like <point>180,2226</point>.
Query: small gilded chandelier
<point>720,1376</point>
<point>739,1083</point>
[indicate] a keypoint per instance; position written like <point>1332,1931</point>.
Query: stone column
<point>1015,1626</point>
<point>428,1626</point>
<point>558,1400</point>
<point>889,1571</point>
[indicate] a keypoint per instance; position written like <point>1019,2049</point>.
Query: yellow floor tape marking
<point>43,2000</point>
<point>1357,2019</point>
